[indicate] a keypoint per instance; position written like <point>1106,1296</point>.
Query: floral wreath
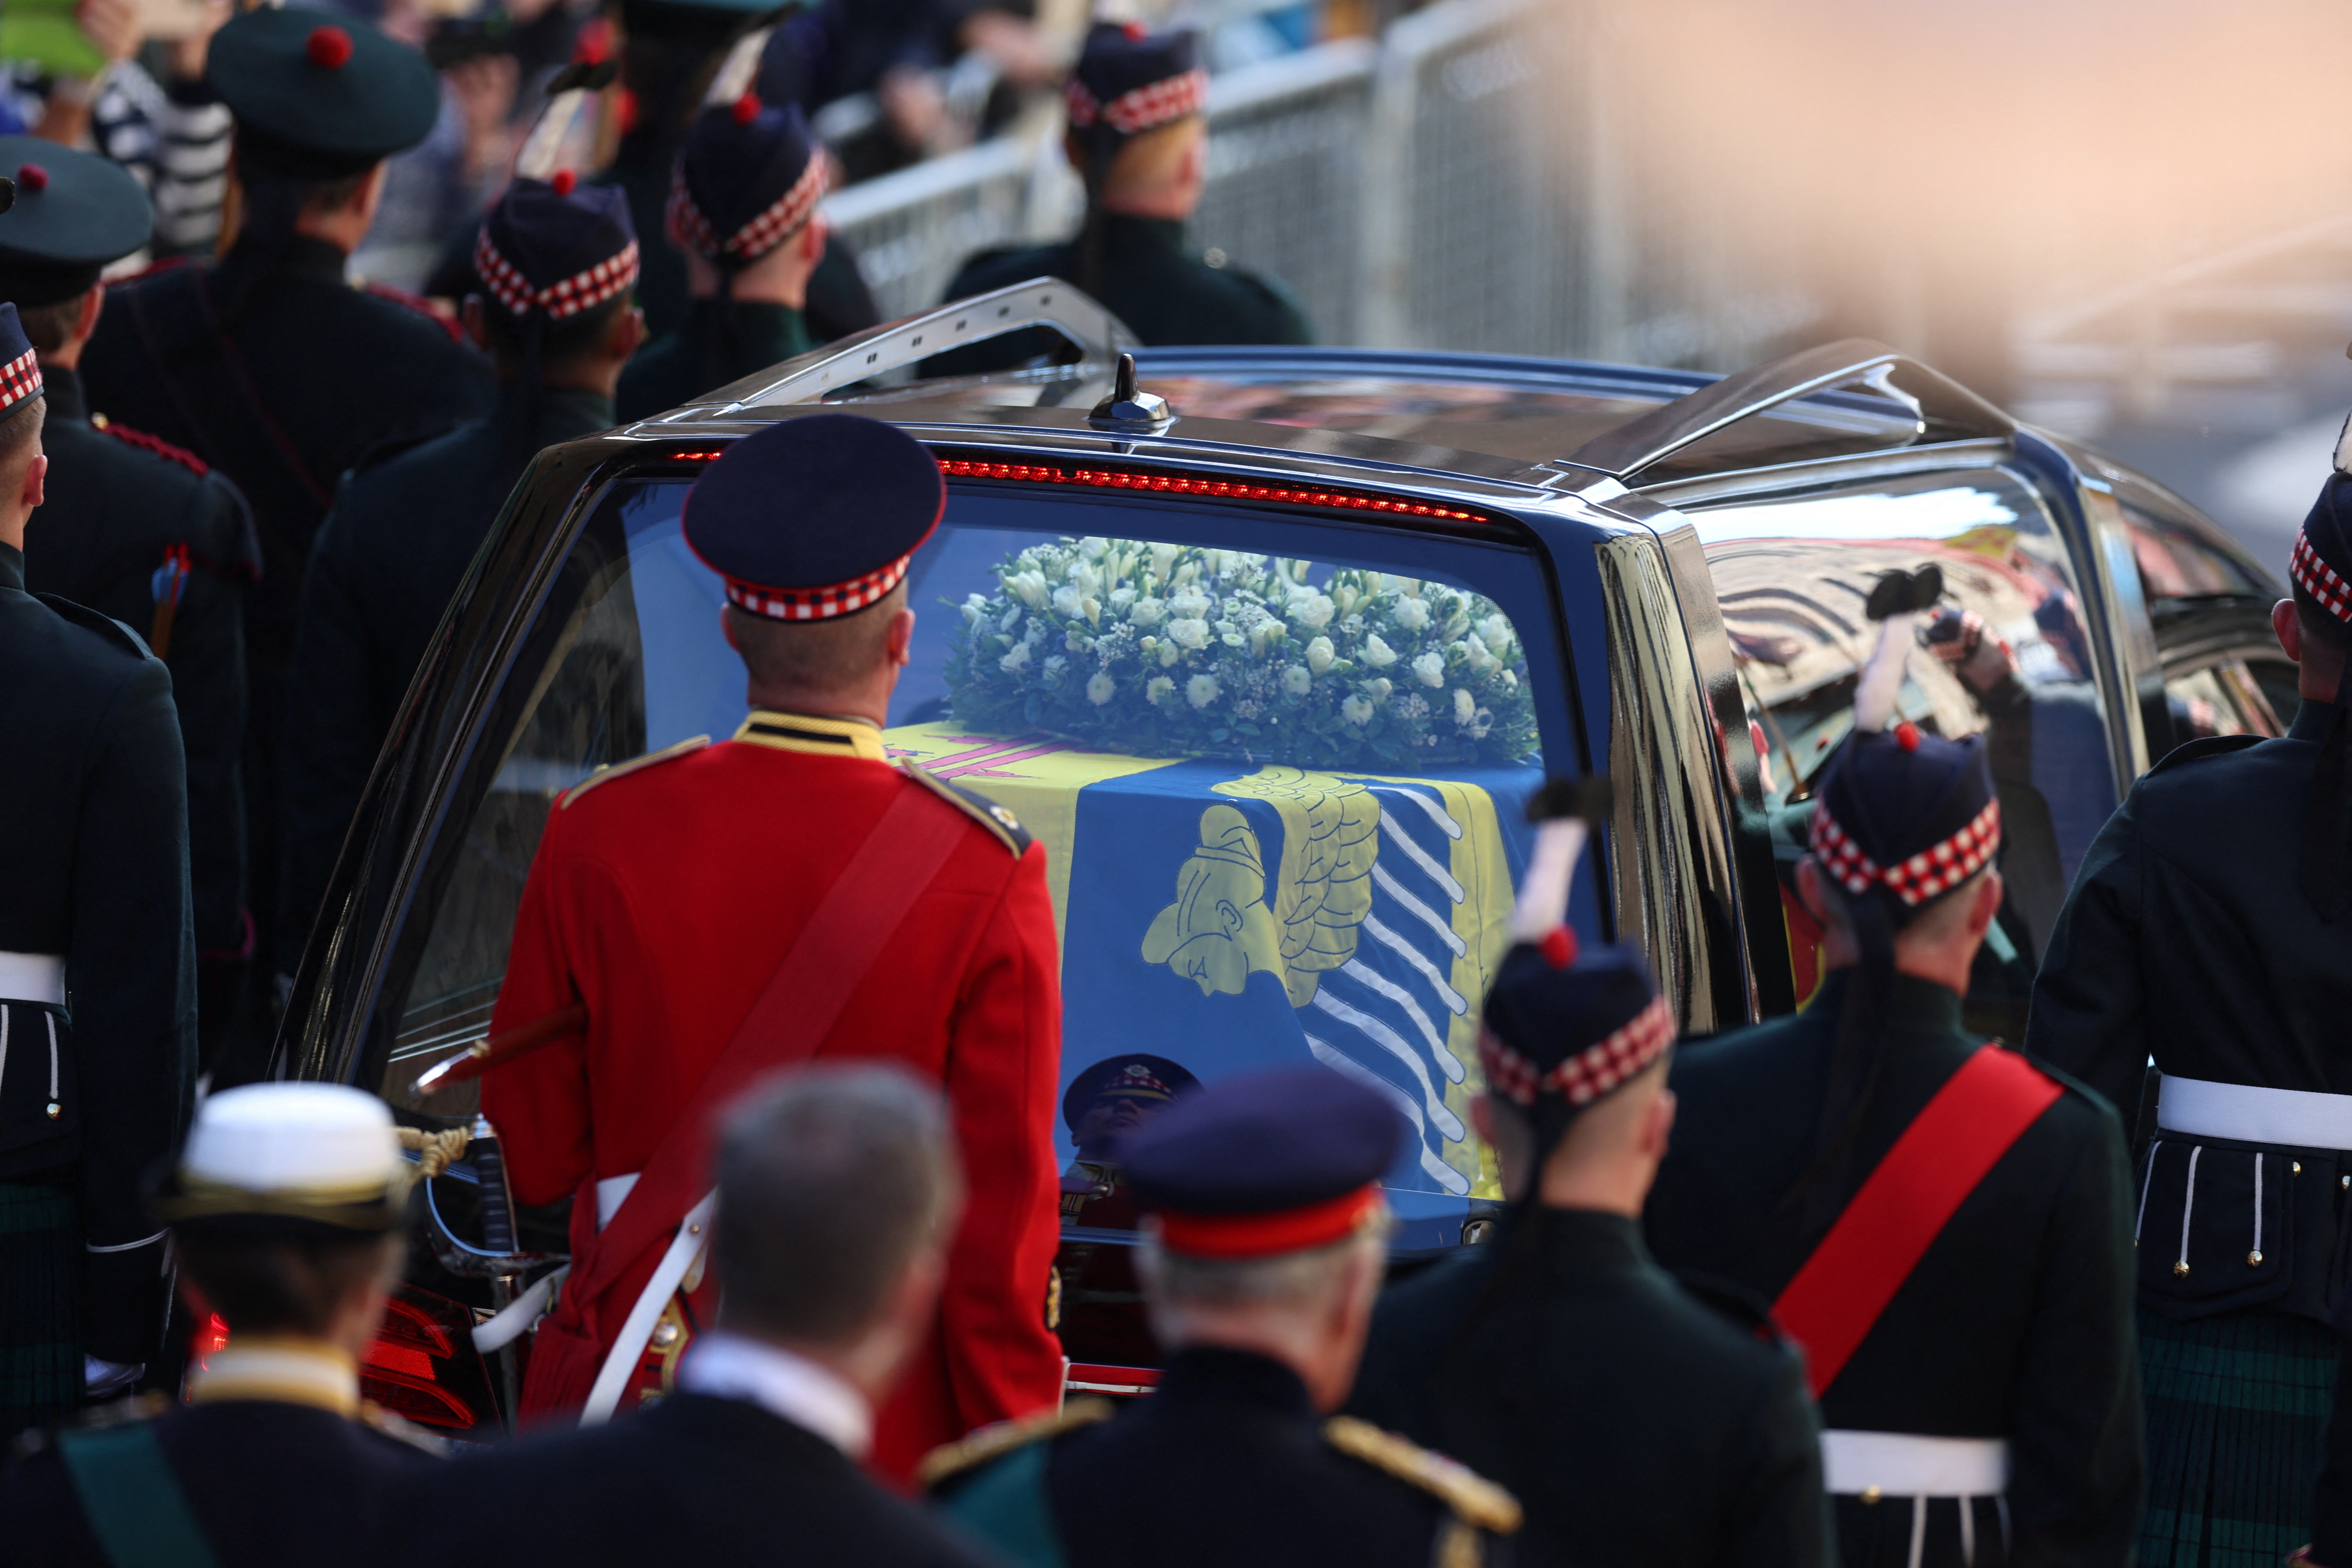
<point>1172,650</point>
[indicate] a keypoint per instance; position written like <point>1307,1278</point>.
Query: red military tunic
<point>664,898</point>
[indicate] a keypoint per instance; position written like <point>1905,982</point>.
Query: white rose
<point>1378,654</point>
<point>1411,614</point>
<point>1296,680</point>
<point>1092,548</point>
<point>1147,612</point>
<point>1189,606</point>
<point>1169,654</point>
<point>1121,598</point>
<point>1085,578</point>
<point>1319,655</point>
<point>1377,690</point>
<point>1201,690</point>
<point>1465,709</point>
<point>1189,632</point>
<point>1313,611</point>
<point>1157,689</point>
<point>1429,666</point>
<point>1163,557</point>
<point>1030,586</point>
<point>1066,603</point>
<point>1475,652</point>
<point>1101,689</point>
<point>1356,711</point>
<point>1494,631</point>
<point>1013,663</point>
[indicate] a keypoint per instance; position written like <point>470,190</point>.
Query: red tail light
<point>423,1366</point>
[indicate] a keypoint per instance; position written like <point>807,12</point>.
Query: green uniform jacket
<point>706,353</point>
<point>1637,1424</point>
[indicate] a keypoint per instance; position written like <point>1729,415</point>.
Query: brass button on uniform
<point>1871,1494</point>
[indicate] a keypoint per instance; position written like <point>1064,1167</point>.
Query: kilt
<point>40,1295</point>
<point>2237,1419</point>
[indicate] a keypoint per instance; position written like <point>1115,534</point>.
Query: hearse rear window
<point>1280,766</point>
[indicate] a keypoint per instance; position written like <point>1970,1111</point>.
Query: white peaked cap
<point>318,1141</point>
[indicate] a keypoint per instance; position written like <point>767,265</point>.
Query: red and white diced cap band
<point>581,291</point>
<point>20,378</point>
<point>1591,1073</point>
<point>818,604</point>
<point>2321,581</point>
<point>768,228</point>
<point>1929,874</point>
<point>1143,109</point>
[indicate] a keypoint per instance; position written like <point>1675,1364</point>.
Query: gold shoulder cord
<point>1478,1503</point>
<point>995,1442</point>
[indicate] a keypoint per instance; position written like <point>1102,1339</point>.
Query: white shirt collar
<point>729,1366</point>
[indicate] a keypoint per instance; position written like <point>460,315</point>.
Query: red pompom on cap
<point>1558,947</point>
<point>747,109</point>
<point>32,177</point>
<point>330,47</point>
<point>1907,735</point>
<point>563,182</point>
<point>1135,31</point>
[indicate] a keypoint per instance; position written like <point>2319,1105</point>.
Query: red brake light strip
<point>1177,484</point>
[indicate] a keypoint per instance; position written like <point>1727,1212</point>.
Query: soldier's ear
<point>2287,626</point>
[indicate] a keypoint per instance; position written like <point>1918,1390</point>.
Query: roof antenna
<point>1130,409</point>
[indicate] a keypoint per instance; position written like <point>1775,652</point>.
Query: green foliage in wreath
<point>1165,650</point>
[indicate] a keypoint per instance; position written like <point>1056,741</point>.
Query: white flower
<point>1102,687</point>
<point>1156,690</point>
<point>1480,722</point>
<point>1351,626</point>
<point>1188,605</point>
<point>1030,586</point>
<point>1429,666</point>
<point>1147,612</point>
<point>1494,631</point>
<point>1163,557</point>
<point>1092,548</point>
<point>1169,654</point>
<point>1233,639</point>
<point>1074,642</point>
<point>1508,679</point>
<point>1189,632</point>
<point>1319,655</point>
<point>1188,573</point>
<point>1085,578</point>
<point>1343,595</point>
<point>1377,690</point>
<point>1378,654</point>
<point>1201,690</point>
<point>1121,598</point>
<point>1262,634</point>
<point>1313,611</point>
<point>1092,609</point>
<point>1053,666</point>
<point>1474,651</point>
<point>1356,711</point>
<point>1065,603</point>
<point>1465,709</point>
<point>1013,663</point>
<point>1296,680</point>
<point>1012,619</point>
<point>1411,614</point>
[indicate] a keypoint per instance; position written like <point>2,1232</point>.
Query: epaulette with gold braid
<point>612,771</point>
<point>1001,824</point>
<point>1474,1498</point>
<point>993,1442</point>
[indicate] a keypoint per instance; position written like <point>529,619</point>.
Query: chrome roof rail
<point>1658,435</point>
<point>1040,302</point>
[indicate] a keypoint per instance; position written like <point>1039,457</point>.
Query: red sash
<point>805,997</point>
<point>1886,1227</point>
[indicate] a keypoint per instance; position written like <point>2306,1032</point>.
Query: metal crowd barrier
<point>1469,181</point>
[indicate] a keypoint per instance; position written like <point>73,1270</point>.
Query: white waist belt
<point>2297,1118</point>
<point>1904,1463</point>
<point>33,978</point>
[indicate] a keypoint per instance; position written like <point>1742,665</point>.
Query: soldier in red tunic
<point>721,910</point>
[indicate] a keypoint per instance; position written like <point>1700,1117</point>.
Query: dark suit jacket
<point>1637,1424</point>
<point>693,1481</point>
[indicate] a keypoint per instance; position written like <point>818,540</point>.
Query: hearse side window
<point>1280,766</point>
<point>1792,574</point>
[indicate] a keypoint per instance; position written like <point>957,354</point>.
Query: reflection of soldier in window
<point>2047,746</point>
<point>1103,1104</point>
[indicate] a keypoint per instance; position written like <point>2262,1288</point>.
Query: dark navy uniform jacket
<point>383,568</point>
<point>707,352</point>
<point>1148,279</point>
<point>269,1483</point>
<point>318,372</point>
<point>94,868</point>
<point>1637,1424</point>
<point>117,505</point>
<point>694,1480</point>
<point>1226,1462</point>
<point>2016,1323</point>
